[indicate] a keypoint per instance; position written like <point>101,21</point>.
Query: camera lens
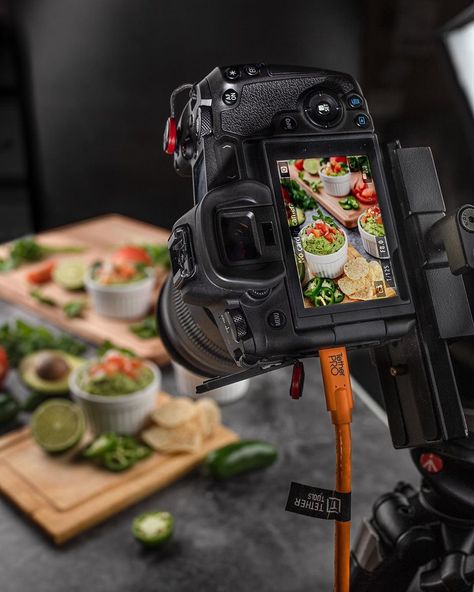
<point>323,108</point>
<point>191,336</point>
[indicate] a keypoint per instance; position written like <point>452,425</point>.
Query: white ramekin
<point>122,414</point>
<point>328,266</point>
<point>369,241</point>
<point>121,301</point>
<point>337,186</point>
<point>186,383</point>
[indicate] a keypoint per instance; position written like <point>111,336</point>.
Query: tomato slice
<point>42,274</point>
<point>132,254</point>
<point>367,200</point>
<point>299,164</point>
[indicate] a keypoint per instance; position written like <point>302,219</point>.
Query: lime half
<point>57,425</point>
<point>311,165</point>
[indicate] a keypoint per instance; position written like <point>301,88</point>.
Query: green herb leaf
<point>20,339</point>
<point>27,249</point>
<point>74,308</point>
<point>159,254</point>
<point>145,329</point>
<point>107,344</point>
<point>41,298</point>
<point>298,195</point>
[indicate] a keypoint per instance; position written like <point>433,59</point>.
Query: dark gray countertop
<point>232,536</point>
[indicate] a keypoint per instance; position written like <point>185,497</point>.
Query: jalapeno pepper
<point>153,528</point>
<point>338,296</point>
<point>327,295</point>
<point>239,457</point>
<point>118,460</point>
<point>313,287</point>
<point>101,445</point>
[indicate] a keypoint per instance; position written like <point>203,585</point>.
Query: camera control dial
<point>323,108</point>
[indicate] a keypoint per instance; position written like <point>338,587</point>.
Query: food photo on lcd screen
<point>339,238</point>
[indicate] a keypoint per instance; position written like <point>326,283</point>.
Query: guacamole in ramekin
<point>114,374</point>
<point>371,222</point>
<point>321,238</point>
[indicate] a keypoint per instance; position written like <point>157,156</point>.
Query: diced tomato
<point>316,232</point>
<point>132,254</point>
<point>299,164</point>
<point>42,274</point>
<point>329,238</point>
<point>335,159</point>
<point>126,271</point>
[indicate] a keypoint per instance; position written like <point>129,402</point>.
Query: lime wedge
<point>70,274</point>
<point>311,165</point>
<point>57,425</point>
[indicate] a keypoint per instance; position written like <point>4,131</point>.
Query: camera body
<point>235,253</point>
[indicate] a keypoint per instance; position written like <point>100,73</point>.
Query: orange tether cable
<point>338,391</point>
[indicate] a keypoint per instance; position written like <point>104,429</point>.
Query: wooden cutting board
<point>66,495</point>
<point>100,236</point>
<point>347,218</point>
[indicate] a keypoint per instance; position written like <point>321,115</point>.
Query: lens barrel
<point>191,336</point>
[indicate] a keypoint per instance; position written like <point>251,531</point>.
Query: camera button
<point>230,96</point>
<point>237,324</point>
<point>259,294</point>
<point>232,73</point>
<point>276,319</point>
<point>323,109</point>
<point>252,70</point>
<point>362,120</point>
<point>288,124</point>
<point>354,101</point>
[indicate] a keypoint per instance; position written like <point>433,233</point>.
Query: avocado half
<point>47,371</point>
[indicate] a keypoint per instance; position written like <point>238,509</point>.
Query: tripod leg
<point>392,545</point>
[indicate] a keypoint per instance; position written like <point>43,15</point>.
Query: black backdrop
<point>102,73</point>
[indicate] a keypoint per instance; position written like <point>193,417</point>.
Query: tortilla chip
<point>367,294</point>
<point>356,269</point>
<point>375,271</point>
<point>349,287</point>
<point>209,416</point>
<point>174,413</point>
<point>184,438</point>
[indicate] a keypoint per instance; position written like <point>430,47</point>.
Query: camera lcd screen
<point>341,250</point>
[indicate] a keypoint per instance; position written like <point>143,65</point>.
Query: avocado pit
<point>52,367</point>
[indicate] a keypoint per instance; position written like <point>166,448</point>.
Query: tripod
<point>423,540</point>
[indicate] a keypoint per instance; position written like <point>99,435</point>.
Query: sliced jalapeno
<point>355,205</point>
<point>338,296</point>
<point>327,295</point>
<point>312,289</point>
<point>100,446</point>
<point>153,528</point>
<point>117,460</point>
<point>327,283</point>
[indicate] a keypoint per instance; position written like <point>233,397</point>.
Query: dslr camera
<point>302,236</point>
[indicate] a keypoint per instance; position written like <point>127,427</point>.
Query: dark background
<point>84,91</point>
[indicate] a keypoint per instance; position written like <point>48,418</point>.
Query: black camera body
<point>294,243</point>
<point>234,127</point>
